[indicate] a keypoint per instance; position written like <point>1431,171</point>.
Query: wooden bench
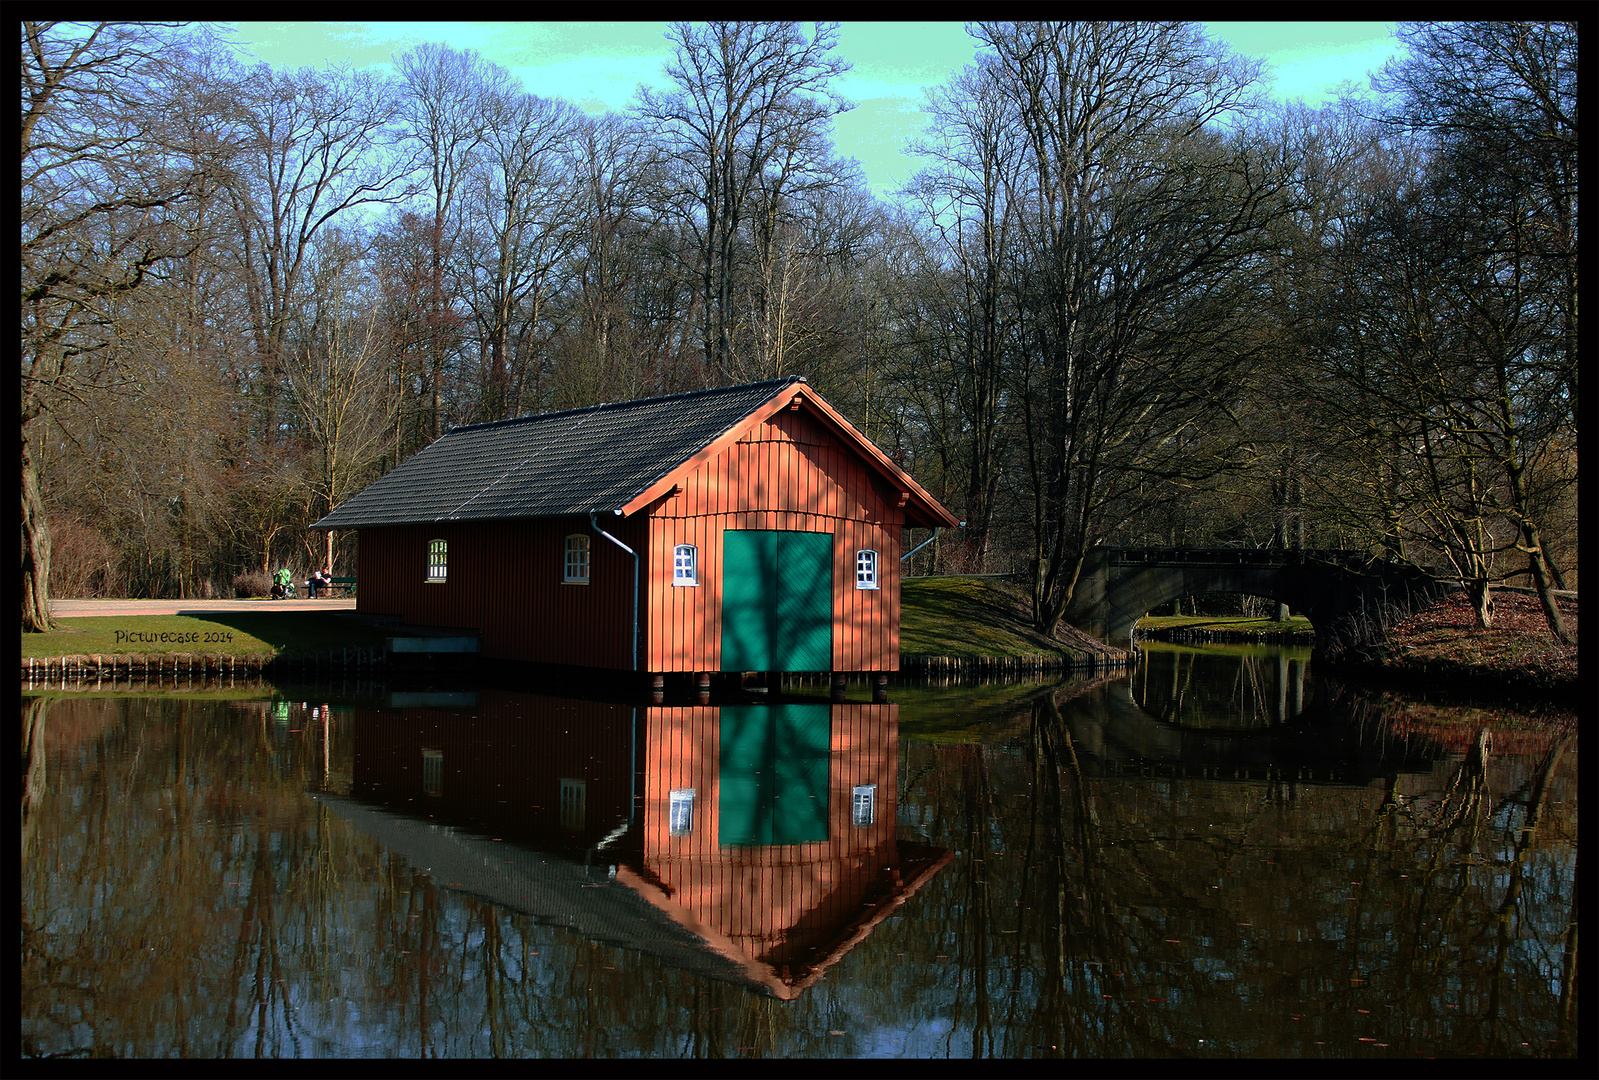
<point>345,583</point>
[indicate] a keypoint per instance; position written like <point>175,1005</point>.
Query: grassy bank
<point>940,616</point>
<point>980,617</point>
<point>1297,625</point>
<point>1441,648</point>
<point>247,635</point>
<point>943,616</point>
<point>1295,629</point>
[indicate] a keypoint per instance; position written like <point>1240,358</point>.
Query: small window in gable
<point>866,569</point>
<point>577,560</point>
<point>438,560</point>
<point>685,565</point>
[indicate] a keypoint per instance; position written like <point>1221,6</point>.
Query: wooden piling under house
<point>744,529</point>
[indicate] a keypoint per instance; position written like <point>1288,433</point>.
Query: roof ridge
<point>786,380</point>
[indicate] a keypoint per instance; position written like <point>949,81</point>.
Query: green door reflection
<point>775,774</point>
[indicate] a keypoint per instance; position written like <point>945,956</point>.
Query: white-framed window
<point>433,773</point>
<point>680,812</point>
<point>576,570</point>
<point>438,560</point>
<point>685,565</point>
<point>866,569</point>
<point>863,806</point>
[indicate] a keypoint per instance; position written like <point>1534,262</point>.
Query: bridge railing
<point>1235,557</point>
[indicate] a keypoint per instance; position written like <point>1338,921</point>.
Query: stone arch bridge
<point>1345,594</point>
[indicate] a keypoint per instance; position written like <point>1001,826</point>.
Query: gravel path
<point>83,609</point>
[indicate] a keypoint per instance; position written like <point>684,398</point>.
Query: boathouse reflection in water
<point>1379,876</point>
<point>755,844</point>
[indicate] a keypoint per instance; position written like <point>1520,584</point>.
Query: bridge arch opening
<point>1344,593</point>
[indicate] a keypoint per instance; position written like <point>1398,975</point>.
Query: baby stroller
<point>283,585</point>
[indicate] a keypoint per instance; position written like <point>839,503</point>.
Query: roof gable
<point>612,458</point>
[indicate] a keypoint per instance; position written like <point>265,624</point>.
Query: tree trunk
<point>1482,599</point>
<point>35,551</point>
<point>1533,542</point>
<point>1060,599</point>
<point>1556,578</point>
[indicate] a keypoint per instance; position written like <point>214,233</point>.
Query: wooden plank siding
<point>503,761</point>
<point>789,472</point>
<point>783,904</point>
<point>505,583</point>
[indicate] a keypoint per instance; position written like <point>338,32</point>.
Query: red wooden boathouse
<point>748,528</point>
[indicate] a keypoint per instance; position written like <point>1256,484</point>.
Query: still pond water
<point>1214,856</point>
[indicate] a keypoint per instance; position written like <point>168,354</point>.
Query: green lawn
<point>1298,624</point>
<point>968,616</point>
<point>939,616</point>
<point>262,634</point>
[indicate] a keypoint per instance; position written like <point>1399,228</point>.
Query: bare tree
<point>1443,314</point>
<point>102,181</point>
<point>316,150</point>
<point>1142,239</point>
<point>449,96</point>
<point>337,373</point>
<point>522,199</point>
<point>963,200</point>
<point>625,291</point>
<point>1499,100</point>
<point>747,116</point>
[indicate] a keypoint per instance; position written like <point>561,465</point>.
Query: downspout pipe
<point>594,521</point>
<point>936,530</point>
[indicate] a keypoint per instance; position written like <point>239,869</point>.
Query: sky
<point>599,66</point>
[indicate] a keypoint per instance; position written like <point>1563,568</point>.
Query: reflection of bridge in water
<point>1343,593</point>
<point>1237,689</point>
<point>754,844</point>
<point>1282,731</point>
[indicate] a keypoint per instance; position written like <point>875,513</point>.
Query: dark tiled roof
<point>554,890</point>
<point>554,464</point>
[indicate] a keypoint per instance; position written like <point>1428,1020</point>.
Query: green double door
<point>777,600</point>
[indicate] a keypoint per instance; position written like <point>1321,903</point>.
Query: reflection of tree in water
<point>1037,921</point>
<point>1225,687</point>
<point>1097,913</point>
<point>1134,914</point>
<point>1501,834</point>
<point>35,713</point>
